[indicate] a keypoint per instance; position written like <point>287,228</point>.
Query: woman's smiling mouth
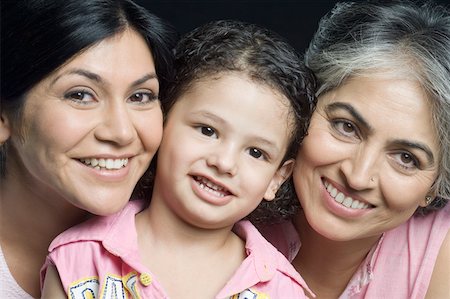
<point>101,163</point>
<point>346,201</point>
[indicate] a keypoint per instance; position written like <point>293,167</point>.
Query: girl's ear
<point>5,130</point>
<point>282,174</point>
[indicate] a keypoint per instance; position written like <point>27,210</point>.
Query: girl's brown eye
<point>207,131</point>
<point>255,153</point>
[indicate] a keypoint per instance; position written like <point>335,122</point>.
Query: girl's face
<point>369,160</point>
<point>224,141</point>
<point>90,129</point>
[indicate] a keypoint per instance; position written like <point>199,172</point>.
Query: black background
<point>295,20</point>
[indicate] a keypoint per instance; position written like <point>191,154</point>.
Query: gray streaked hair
<point>398,39</point>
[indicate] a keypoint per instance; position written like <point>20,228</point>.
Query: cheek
<point>318,149</point>
<point>171,158</point>
<point>150,130</point>
<point>404,193</point>
<point>49,129</point>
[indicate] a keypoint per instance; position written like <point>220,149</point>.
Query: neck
<point>193,254</point>
<point>31,216</point>
<point>176,232</point>
<point>327,265</point>
<point>37,212</point>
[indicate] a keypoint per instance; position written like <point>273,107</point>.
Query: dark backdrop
<point>296,20</point>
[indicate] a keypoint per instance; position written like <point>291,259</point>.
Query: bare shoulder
<point>439,286</point>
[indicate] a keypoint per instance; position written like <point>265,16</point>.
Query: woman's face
<point>369,160</point>
<point>90,129</point>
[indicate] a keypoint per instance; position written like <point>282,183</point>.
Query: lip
<point>339,209</point>
<point>110,175</point>
<point>107,156</point>
<point>208,196</point>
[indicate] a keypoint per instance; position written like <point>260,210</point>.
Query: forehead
<point>238,90</point>
<point>240,101</point>
<point>123,54</point>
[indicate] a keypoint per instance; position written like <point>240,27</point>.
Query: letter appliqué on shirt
<point>114,287</point>
<point>250,294</point>
<point>84,288</point>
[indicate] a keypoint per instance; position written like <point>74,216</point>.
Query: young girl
<point>237,112</point>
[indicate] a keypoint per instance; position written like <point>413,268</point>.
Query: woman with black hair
<point>81,118</point>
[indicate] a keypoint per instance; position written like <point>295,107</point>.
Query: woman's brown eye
<point>77,96</point>
<point>406,158</point>
<point>348,128</point>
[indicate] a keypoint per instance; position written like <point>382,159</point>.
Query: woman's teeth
<point>105,163</point>
<point>344,200</point>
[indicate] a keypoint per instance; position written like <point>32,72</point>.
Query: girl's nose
<point>224,159</point>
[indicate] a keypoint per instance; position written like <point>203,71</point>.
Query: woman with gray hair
<point>373,175</point>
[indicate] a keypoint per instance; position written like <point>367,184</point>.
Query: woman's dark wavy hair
<point>232,46</point>
<point>38,37</point>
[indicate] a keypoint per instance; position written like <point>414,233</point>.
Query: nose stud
<point>372,179</point>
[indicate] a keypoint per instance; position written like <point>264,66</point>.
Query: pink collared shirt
<point>398,267</point>
<point>101,257</point>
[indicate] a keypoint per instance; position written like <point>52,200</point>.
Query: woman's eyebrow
<point>85,73</point>
<point>350,109</point>
<point>416,145</point>
<point>97,78</point>
<point>144,78</point>
<point>402,142</point>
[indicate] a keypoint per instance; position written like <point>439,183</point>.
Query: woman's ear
<point>280,176</point>
<point>5,129</point>
<point>430,197</point>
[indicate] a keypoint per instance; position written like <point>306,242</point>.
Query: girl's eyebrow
<point>216,118</point>
<point>95,77</point>
<point>350,109</point>
<point>402,142</point>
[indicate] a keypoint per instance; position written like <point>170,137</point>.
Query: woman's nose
<point>361,169</point>
<point>116,125</point>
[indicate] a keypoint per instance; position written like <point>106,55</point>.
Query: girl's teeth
<point>211,184</point>
<point>207,188</point>
<point>211,187</point>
